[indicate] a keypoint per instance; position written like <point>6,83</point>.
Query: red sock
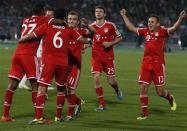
<point>7,102</point>
<point>34,95</point>
<point>99,92</point>
<point>144,104</point>
<point>40,101</point>
<point>78,101</point>
<point>72,100</point>
<point>168,97</point>
<point>60,99</point>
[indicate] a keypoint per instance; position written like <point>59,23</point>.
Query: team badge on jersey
<point>105,30</point>
<point>156,34</point>
<point>148,37</point>
<point>97,37</point>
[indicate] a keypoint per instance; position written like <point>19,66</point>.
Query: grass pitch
<point>119,115</point>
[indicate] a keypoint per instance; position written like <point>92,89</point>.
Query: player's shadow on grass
<point>24,115</point>
<point>158,111</point>
<point>113,102</point>
<point>110,102</point>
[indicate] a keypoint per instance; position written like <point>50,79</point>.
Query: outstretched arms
<point>128,24</point>
<point>178,22</point>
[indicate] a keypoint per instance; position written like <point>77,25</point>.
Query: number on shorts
<point>110,71</point>
<point>161,79</point>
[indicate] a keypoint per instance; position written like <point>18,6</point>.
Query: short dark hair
<point>38,9</point>
<point>101,7</point>
<point>60,13</point>
<point>74,13</point>
<point>155,16</point>
<point>49,8</point>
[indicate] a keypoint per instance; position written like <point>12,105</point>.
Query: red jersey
<point>105,33</point>
<point>76,47</point>
<point>56,42</point>
<point>154,44</point>
<point>29,25</point>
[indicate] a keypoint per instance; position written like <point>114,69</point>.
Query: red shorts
<point>21,65</point>
<point>152,72</point>
<point>99,65</point>
<point>73,77</point>
<point>49,70</point>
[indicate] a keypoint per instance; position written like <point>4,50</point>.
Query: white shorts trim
<point>143,82</point>
<point>14,77</point>
<point>44,83</point>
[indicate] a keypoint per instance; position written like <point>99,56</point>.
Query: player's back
<point>29,24</point>
<point>56,42</point>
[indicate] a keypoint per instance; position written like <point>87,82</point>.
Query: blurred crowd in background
<point>13,11</point>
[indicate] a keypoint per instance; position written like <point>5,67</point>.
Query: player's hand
<point>123,12</point>
<point>182,14</point>
<point>107,44</point>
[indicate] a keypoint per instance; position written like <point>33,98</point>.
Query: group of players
<point>63,43</point>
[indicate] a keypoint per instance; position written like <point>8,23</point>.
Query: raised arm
<point>178,22</point>
<point>128,24</point>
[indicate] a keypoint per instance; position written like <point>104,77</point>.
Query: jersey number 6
<point>59,39</point>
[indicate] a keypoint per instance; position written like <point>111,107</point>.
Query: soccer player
<point>105,37</point>
<point>23,61</point>
<point>54,63</point>
<point>153,64</point>
<point>50,13</point>
<point>75,60</point>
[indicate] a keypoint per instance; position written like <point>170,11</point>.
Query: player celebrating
<point>75,48</point>
<point>153,65</point>
<point>23,61</point>
<point>105,37</point>
<point>54,63</point>
<point>49,12</point>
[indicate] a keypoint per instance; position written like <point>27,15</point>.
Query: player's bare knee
<point>111,80</point>
<point>97,79</point>
<point>160,91</point>
<point>143,88</point>
<point>42,89</point>
<point>34,84</point>
<point>71,91</point>
<point>13,84</point>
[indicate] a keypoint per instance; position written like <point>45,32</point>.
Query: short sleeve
<point>40,31</point>
<point>116,31</point>
<point>164,31</point>
<point>141,31</point>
